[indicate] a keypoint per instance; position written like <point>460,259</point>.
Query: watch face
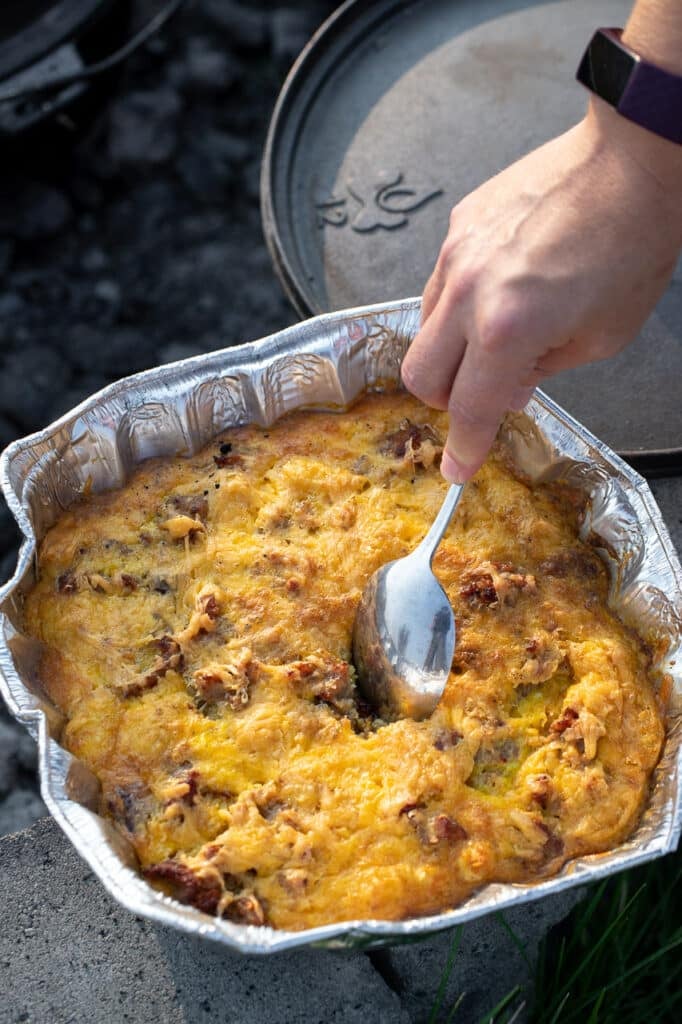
<point>606,68</point>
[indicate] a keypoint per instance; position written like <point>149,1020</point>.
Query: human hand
<point>555,262</point>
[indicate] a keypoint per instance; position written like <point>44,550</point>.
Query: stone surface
<point>69,954</point>
<point>20,804</point>
<point>489,963</point>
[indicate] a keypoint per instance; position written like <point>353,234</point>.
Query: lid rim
<point>61,20</point>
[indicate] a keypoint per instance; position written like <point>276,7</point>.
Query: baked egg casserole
<point>196,635</point>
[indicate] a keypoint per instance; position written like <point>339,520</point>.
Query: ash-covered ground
<point>139,241</point>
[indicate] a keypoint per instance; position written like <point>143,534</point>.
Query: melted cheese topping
<point>197,629</point>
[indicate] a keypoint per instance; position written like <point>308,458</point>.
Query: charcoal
<point>20,809</point>
<point>8,563</point>
<point>6,254</point>
<point>8,432</point>
<point>10,305</point>
<point>85,191</point>
<point>42,371</point>
<point>209,164</point>
<point>27,751</point>
<point>291,29</point>
<point>103,302</point>
<point>48,287</point>
<point>32,210</point>
<point>82,388</point>
<point>87,224</point>
<point>251,180</point>
<point>82,344</point>
<point>150,211</point>
<point>111,353</point>
<point>143,127</point>
<point>9,531</point>
<point>94,259</point>
<point>201,226</point>
<point>9,748</point>
<point>178,350</point>
<point>206,69</point>
<point>243,27</point>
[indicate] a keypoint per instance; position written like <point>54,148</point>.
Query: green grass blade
<point>447,971</point>
<point>617,956</point>
<point>557,1012</point>
<point>455,1008</point>
<point>516,1013</point>
<point>489,1018</point>
<point>580,969</point>
<point>514,937</point>
<point>591,906</point>
<point>594,1016</point>
<point>630,972</point>
<point>657,911</point>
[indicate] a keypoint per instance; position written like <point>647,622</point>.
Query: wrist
<point>648,156</point>
<point>654,30</point>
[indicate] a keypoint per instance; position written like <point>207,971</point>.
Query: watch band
<point>640,91</point>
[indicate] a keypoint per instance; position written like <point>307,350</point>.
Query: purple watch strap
<point>639,90</point>
<point>651,100</point>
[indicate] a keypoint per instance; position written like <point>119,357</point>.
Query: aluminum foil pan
<point>324,362</point>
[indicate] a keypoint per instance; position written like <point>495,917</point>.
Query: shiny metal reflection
<point>404,632</point>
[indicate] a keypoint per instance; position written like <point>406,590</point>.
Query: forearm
<point>654,30</point>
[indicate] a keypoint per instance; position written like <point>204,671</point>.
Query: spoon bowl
<point>404,632</point>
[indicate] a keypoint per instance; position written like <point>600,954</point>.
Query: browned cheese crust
<point>197,630</point>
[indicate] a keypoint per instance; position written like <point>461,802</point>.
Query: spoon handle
<point>440,524</point>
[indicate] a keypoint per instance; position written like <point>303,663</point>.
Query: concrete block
<point>69,954</point>
<point>488,965</point>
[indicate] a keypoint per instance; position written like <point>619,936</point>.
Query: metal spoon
<point>404,632</point>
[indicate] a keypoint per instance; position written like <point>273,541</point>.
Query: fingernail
<point>453,471</point>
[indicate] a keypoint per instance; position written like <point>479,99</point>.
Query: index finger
<point>486,385</point>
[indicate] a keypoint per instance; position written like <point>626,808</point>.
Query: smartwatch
<point>640,91</point>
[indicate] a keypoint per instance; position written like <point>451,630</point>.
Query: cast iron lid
<point>30,28</point>
<point>43,42</point>
<point>394,111</point>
